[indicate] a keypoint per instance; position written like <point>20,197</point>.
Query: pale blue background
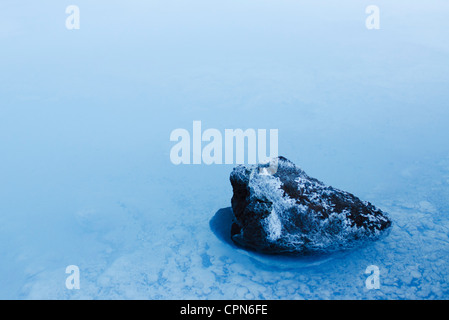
<point>86,115</point>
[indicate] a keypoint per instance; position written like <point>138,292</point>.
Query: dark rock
<point>289,212</point>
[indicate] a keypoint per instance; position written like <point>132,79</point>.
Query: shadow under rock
<point>221,224</point>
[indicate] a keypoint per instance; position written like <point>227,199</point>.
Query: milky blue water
<point>86,115</point>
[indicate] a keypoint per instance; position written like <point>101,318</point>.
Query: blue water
<point>86,116</point>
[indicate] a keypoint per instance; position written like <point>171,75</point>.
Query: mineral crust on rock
<point>289,212</point>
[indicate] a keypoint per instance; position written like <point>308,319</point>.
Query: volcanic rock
<point>288,212</point>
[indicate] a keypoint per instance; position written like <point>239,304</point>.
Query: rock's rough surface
<point>289,212</point>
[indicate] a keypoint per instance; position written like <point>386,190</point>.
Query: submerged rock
<point>291,213</point>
